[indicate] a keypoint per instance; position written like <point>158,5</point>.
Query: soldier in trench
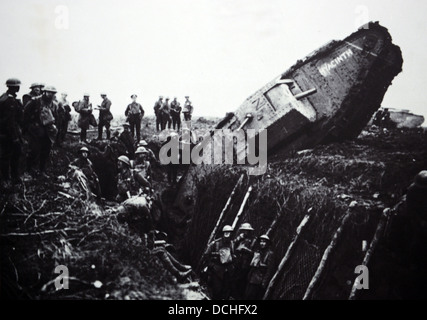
<point>261,270</point>
<point>243,244</point>
<point>220,265</point>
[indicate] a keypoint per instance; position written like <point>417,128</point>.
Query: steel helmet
<point>264,237</point>
<point>246,226</point>
<point>421,179</point>
<point>36,84</point>
<point>141,150</point>
<point>83,149</point>
<point>13,82</point>
<point>125,160</point>
<point>142,143</point>
<point>50,89</point>
<point>227,228</point>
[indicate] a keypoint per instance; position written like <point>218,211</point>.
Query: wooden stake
<point>215,229</point>
<point>378,232</point>
<point>286,257</point>
<point>325,257</point>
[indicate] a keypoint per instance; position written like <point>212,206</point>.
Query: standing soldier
<point>188,109</point>
<point>176,114</point>
<point>134,113</point>
<point>36,91</point>
<point>243,247</point>
<point>63,117</point>
<point>40,123</point>
<point>157,106</point>
<point>165,115</point>
<point>261,269</point>
<point>84,108</point>
<point>10,132</point>
<point>220,269</point>
<point>105,116</point>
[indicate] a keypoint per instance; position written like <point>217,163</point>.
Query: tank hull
<point>328,96</point>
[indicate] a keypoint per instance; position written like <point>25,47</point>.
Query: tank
<point>328,96</point>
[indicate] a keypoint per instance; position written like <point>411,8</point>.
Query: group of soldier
<point>168,115</point>
<point>238,268</point>
<point>38,122</point>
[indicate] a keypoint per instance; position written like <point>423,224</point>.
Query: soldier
<point>126,184</point>
<point>134,113</point>
<point>179,270</point>
<point>105,116</point>
<point>188,109</point>
<point>142,168</point>
<point>10,132</point>
<point>151,156</point>
<point>243,244</point>
<point>84,108</point>
<point>83,163</point>
<point>165,115</point>
<point>127,139</point>
<point>63,117</point>
<point>172,168</point>
<point>39,122</point>
<point>36,91</point>
<point>261,269</point>
<point>176,114</point>
<point>157,106</point>
<point>220,253</point>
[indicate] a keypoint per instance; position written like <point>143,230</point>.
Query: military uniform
<point>10,135</point>
<point>41,131</point>
<point>176,114</point>
<point>134,112</point>
<point>157,106</point>
<point>220,269</point>
<point>86,166</point>
<point>260,272</point>
<point>165,115</point>
<point>243,249</point>
<point>84,108</point>
<point>105,117</point>
<point>188,110</point>
<point>127,139</point>
<point>126,183</point>
<point>62,120</point>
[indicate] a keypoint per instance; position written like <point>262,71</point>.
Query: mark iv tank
<point>328,96</point>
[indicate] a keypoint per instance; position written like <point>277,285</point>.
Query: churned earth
<point>42,227</point>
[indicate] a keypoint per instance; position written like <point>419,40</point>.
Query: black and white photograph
<point>223,152</point>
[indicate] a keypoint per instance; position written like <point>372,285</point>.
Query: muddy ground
<point>41,228</point>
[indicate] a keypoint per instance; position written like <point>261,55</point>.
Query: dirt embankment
<point>41,228</point>
<point>342,187</point>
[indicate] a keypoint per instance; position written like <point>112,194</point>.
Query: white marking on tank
<point>325,69</point>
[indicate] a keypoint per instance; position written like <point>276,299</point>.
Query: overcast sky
<point>217,51</point>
